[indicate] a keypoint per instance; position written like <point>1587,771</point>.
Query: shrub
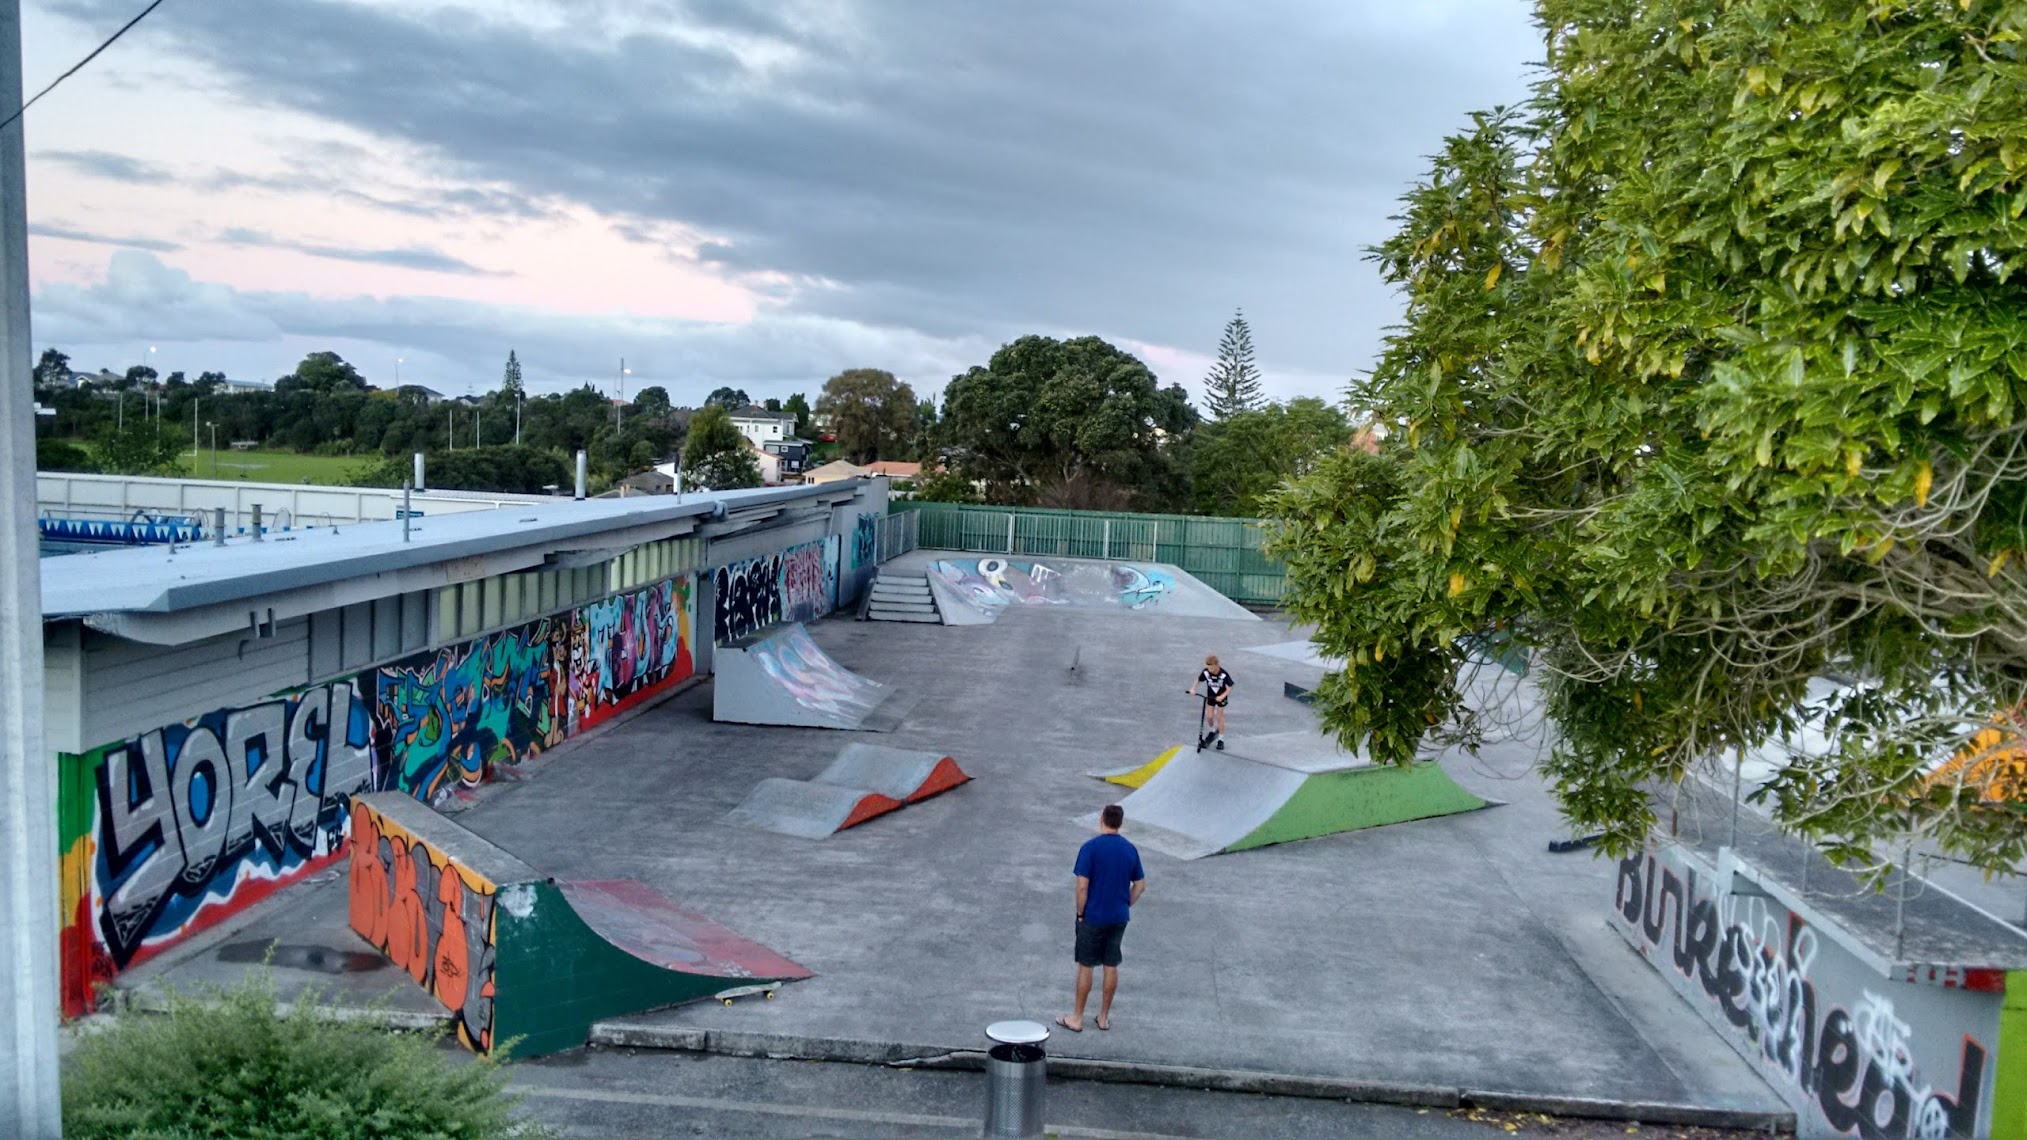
<point>229,1066</point>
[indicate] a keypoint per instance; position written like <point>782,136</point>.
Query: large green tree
<point>716,457</point>
<point>1233,384</point>
<point>1076,422</point>
<point>1235,463</point>
<point>872,413</point>
<point>1710,383</point>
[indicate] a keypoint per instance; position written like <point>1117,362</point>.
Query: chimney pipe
<point>582,470</point>
<point>218,526</point>
<point>256,522</point>
<point>420,483</point>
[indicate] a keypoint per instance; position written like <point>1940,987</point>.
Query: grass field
<point>278,466</point>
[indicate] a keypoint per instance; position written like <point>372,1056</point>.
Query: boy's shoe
<point>1221,745</point>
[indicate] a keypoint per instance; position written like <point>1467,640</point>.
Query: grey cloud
<point>414,202</point>
<point>413,257</point>
<point>109,166</point>
<point>67,233</point>
<point>246,330</point>
<point>981,170</point>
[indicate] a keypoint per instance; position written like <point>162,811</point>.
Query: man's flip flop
<point>1102,1026</point>
<point>1067,1025</point>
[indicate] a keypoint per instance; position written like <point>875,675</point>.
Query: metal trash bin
<point>1016,1073</point>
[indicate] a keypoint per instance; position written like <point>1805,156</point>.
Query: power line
<point>79,66</point>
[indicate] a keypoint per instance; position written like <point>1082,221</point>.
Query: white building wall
<point>129,687</point>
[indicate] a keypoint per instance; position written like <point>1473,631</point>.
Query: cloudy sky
<point>752,192</point>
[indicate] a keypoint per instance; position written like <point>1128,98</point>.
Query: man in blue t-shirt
<point>1109,882</point>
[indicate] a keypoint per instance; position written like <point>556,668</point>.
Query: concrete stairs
<point>902,598</point>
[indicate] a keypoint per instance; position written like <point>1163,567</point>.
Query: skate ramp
<point>1137,775</point>
<point>1278,788</point>
<point>522,961</point>
<point>785,678</point>
<point>974,591</point>
<point>864,782</point>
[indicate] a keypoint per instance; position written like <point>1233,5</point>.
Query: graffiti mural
<point>1854,1053</point>
<point>191,823</point>
<point>809,581</point>
<point>802,669</point>
<point>865,541</point>
<point>165,834</point>
<point>512,695</point>
<point>748,598</point>
<point>987,585</point>
<point>798,584</point>
<point>432,916</point>
<point>632,644</point>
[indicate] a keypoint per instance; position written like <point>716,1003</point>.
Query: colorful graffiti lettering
<point>1760,965</point>
<point>511,695</point>
<point>432,916</point>
<point>196,820</point>
<point>634,644</point>
<point>809,584</point>
<point>798,584</point>
<point>171,831</point>
<point>865,541</point>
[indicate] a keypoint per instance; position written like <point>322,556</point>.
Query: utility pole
<point>450,429</point>
<point>30,1105</point>
<point>518,401</point>
<point>195,403</point>
<point>616,404</point>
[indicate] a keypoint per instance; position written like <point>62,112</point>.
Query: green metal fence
<point>1224,553</point>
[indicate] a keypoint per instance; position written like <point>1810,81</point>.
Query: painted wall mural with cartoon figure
<point>172,831</point>
<point>798,584</point>
<point>169,832</point>
<point>865,541</point>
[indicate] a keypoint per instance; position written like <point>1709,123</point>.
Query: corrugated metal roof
<point>163,580</point>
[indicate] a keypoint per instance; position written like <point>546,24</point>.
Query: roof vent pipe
<point>581,472</point>
<point>420,483</point>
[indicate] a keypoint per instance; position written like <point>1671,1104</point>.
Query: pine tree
<point>1233,385</point>
<point>511,385</point>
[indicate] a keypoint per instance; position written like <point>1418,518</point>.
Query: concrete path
<point>1446,954</point>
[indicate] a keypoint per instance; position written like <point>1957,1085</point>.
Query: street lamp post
<point>214,448</point>
<point>151,386</point>
<point>195,403</point>
<point>624,372</point>
<point>518,400</point>
<point>397,372</point>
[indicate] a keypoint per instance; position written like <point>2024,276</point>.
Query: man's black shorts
<point>1099,945</point>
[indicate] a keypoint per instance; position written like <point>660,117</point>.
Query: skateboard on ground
<point>765,989</point>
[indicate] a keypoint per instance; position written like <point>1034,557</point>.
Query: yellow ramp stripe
<point>1137,777</point>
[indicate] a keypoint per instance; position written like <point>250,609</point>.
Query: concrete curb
<point>778,1046</point>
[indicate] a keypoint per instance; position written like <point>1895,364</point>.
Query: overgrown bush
<point>226,1065</point>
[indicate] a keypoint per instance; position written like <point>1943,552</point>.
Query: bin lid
<point>1018,1032</point>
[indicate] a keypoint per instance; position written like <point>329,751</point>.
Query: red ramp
<point>866,780</point>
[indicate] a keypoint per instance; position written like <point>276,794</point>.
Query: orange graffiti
<point>446,943</point>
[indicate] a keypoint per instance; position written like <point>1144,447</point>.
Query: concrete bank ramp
<point>1276,789</point>
<point>864,782</point>
<point>974,591</point>
<point>785,678</point>
<point>518,957</point>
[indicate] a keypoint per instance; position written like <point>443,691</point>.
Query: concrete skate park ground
<point>1441,955</point>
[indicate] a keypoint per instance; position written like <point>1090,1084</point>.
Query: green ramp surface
<point>1356,798</point>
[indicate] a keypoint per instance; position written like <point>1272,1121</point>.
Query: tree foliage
<point>730,399</point>
<point>507,469</point>
<point>1236,463</point>
<point>1048,414</point>
<point>1233,383</point>
<point>798,405</point>
<point>716,457</point>
<point>1711,382</point>
<point>510,381</point>
<point>872,413</point>
<point>52,368</point>
<point>144,447</point>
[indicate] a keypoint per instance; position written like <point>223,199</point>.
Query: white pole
<point>30,1106</point>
